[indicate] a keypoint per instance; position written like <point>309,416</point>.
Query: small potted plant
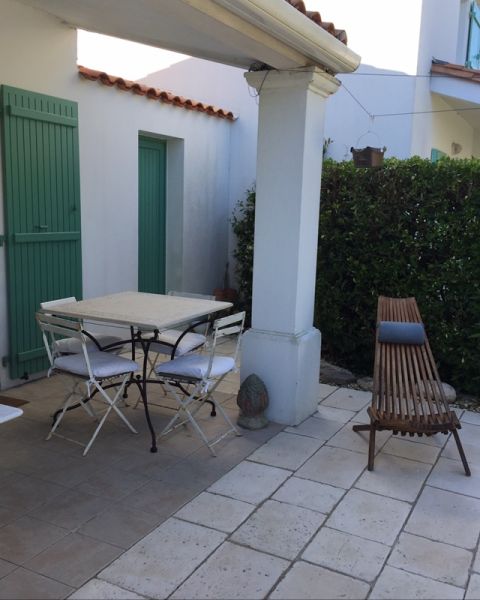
<point>226,294</point>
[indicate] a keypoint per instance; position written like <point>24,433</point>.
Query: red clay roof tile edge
<point>154,93</point>
<point>314,16</point>
<point>458,71</point>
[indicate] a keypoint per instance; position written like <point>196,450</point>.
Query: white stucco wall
<point>41,55</point>
<point>397,44</point>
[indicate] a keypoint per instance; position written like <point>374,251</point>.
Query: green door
<point>151,215</point>
<point>42,215</point>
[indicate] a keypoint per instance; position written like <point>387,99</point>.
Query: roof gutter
<point>285,23</point>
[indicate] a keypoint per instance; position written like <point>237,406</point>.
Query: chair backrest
<point>231,326</point>
<point>51,326</point>
<point>191,295</point>
<point>57,302</point>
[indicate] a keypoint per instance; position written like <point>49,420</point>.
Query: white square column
<point>283,347</point>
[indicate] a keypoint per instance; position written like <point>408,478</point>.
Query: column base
<point>289,366</point>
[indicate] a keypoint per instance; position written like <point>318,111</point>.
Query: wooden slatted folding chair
<point>193,378</point>
<point>93,371</point>
<point>408,395</point>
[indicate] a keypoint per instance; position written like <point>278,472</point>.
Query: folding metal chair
<point>202,373</point>
<point>96,370</point>
<point>71,345</point>
<point>175,342</point>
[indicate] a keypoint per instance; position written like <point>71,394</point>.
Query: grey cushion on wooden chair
<point>396,332</point>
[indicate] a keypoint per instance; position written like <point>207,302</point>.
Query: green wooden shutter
<point>151,215</point>
<point>42,215</point>
<point>473,46</point>
<point>436,155</point>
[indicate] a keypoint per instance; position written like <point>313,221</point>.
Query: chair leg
<point>462,453</point>
<point>371,442</point>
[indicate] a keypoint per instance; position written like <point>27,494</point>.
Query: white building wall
<point>41,55</point>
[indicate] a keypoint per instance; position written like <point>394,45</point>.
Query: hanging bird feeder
<point>368,156</point>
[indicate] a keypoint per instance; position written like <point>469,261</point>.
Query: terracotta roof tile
<point>154,93</point>
<point>340,34</point>
<point>444,68</point>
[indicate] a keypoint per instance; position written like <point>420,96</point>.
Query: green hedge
<point>409,228</point>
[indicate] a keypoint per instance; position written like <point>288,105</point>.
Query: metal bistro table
<point>146,315</point>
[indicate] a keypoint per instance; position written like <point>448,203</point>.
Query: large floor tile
<point>450,475</point>
<point>395,477</point>
<point>6,567</point>
<point>370,516</point>
<point>113,483</point>
<point>357,441</point>
<point>250,482</point>
<point>325,390</point>
<point>469,416</point>
<point>286,451</point>
<point>96,589</point>
<point>403,447</point>
<point>233,572</point>
<point>120,525</point>
<point>473,590</point>
<point>305,582</point>
<point>314,427</point>
<point>335,466</point>
<point>217,512</point>
<point>472,452</point>
<point>23,493</point>
<point>334,414</point>
<point>431,559</point>
<point>159,563</point>
<point>70,509</point>
<point>309,494</point>
<point>348,399</point>
<point>23,585</point>
<point>280,529</point>
<point>347,553</point>
<point>74,559</point>
<point>394,583</point>
<point>446,517</point>
<point>27,537</point>
<point>161,499</point>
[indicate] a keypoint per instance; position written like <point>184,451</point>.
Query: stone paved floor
<point>298,515</point>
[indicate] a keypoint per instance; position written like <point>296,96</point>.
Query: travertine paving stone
<point>159,563</point>
<point>394,584</point>
<point>218,512</point>
<point>334,414</point>
<point>96,589</point>
<point>305,581</point>
<point>347,553</point>
<point>476,564</point>
<point>357,440</point>
<point>233,572</point>
<point>471,417</point>
<point>278,528</point>
<point>250,482</point>
<point>309,494</point>
<point>348,399</point>
<point>473,590</point>
<point>407,449</point>
<point>450,475</point>
<point>395,477</point>
<point>432,559</point>
<point>324,390</point>
<point>446,517</point>
<point>334,466</point>
<point>370,516</point>
<point>321,429</point>
<point>286,450</point>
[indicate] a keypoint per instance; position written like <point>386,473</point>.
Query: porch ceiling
<point>234,32</point>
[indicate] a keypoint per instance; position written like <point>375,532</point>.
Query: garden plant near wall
<point>409,228</point>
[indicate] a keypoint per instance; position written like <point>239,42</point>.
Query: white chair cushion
<point>104,364</point>
<point>196,366</point>
<point>74,345</point>
<point>188,343</point>
<point>7,413</point>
